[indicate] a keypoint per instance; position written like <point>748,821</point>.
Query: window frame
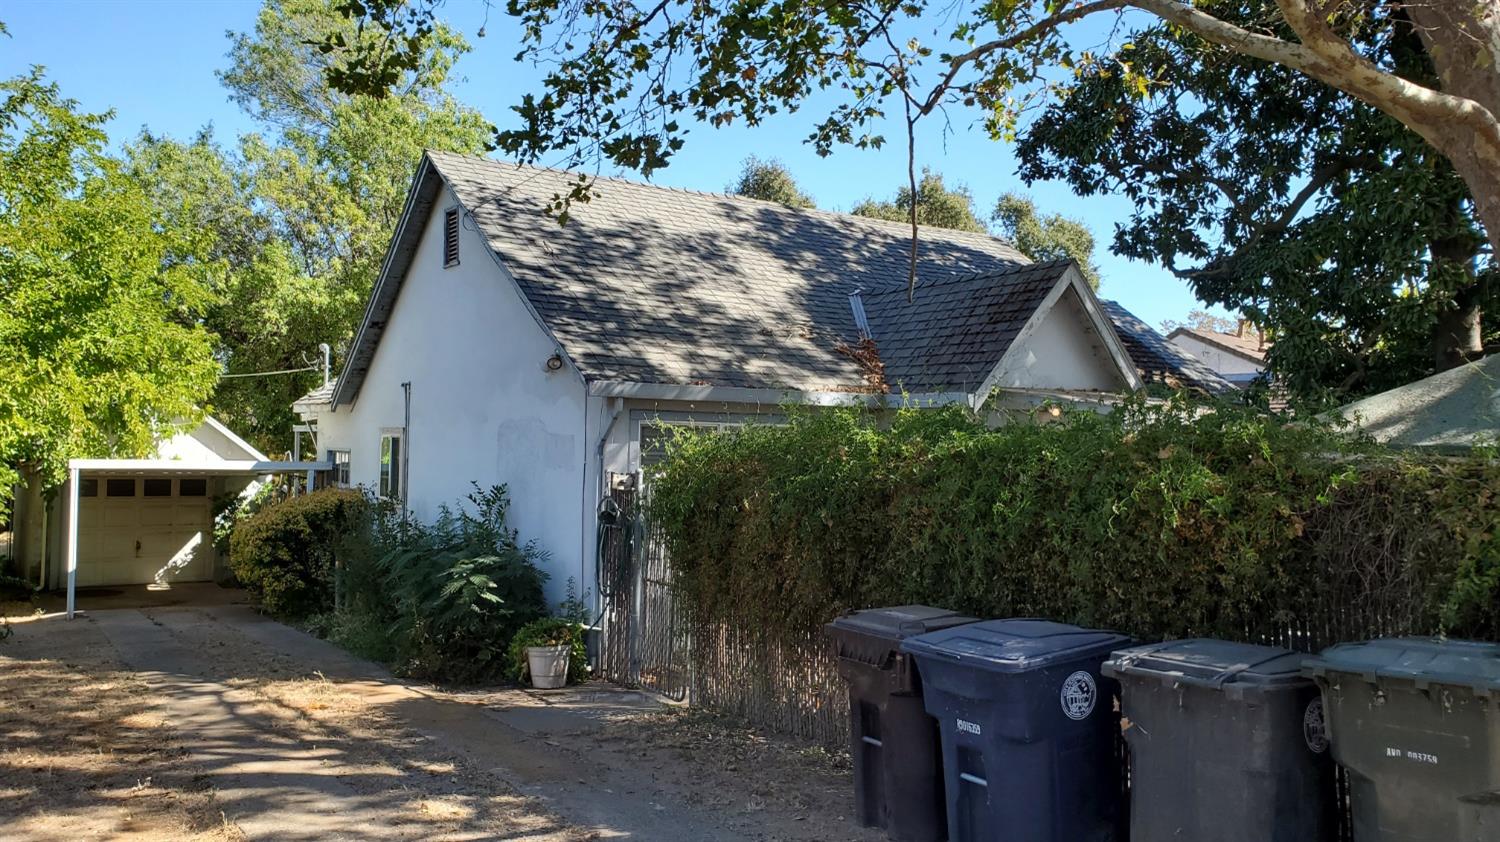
<point>390,464</point>
<point>339,474</point>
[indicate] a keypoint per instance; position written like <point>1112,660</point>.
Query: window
<point>88,488</point>
<point>156,488</point>
<point>656,436</point>
<point>390,466</point>
<point>196,487</point>
<point>339,475</point>
<point>450,238</point>
<point>119,488</point>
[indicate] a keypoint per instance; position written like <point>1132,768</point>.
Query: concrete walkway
<point>275,783</point>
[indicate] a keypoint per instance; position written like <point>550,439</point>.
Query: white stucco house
<point>1238,356</point>
<point>147,521</point>
<point>500,347</point>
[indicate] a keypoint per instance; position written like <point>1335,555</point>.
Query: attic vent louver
<point>450,238</point>
<point>857,305</point>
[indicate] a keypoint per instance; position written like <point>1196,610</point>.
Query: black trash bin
<point>898,782</point>
<point>1030,730</point>
<point>1416,724</point>
<point>1206,719</point>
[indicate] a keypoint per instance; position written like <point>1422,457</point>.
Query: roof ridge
<point>711,194</point>
<point>964,277</point>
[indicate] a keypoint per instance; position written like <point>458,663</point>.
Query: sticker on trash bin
<point>969,727</point>
<point>1314,728</point>
<point>1079,692</point>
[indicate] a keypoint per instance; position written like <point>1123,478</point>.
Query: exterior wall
<point>1231,367</point>
<point>483,407</point>
<point>1061,353</point>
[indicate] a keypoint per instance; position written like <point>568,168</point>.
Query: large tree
<point>1046,236</point>
<point>625,80</point>
<point>1314,214</point>
<point>938,205</point>
<point>769,179</point>
<point>301,211</point>
<point>100,349</point>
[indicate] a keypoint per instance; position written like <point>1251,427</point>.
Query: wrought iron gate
<point>645,641</point>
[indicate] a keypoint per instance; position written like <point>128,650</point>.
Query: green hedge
<point>1161,521</point>
<point>284,554</point>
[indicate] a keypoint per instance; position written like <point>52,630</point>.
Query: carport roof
<point>244,467</point>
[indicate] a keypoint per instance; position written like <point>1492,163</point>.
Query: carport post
<point>70,548</point>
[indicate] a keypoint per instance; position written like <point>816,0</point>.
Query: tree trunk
<point>1457,338</point>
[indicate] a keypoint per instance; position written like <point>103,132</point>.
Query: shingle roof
<point>319,396</point>
<point>647,284</point>
<point>1252,347</point>
<point>955,330</point>
<point>1159,360</point>
<point>655,285</point>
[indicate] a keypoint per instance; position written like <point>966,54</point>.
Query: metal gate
<point>645,640</point>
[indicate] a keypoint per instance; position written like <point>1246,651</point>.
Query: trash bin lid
<point>873,635</point>
<point>1014,645</point>
<point>1211,663</point>
<point>1424,660</point>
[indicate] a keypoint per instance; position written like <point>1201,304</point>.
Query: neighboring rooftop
<point>1450,411</point>
<point>648,284</point>
<point>1248,341</point>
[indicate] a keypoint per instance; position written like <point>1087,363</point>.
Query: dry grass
<point>83,757</point>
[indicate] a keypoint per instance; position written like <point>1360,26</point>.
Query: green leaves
<point>96,289</point>
<point>1176,519</point>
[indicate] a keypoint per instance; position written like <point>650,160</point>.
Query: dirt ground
<point>216,724</point>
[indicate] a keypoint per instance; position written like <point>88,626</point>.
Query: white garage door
<point>134,530</point>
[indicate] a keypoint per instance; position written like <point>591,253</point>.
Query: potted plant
<point>550,651</point>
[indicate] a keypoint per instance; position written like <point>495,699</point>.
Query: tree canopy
<point>301,212</point>
<point>769,179</point>
<point>97,289</point>
<point>626,81</point>
<point>1046,236</point>
<point>1314,214</point>
<point>938,206</point>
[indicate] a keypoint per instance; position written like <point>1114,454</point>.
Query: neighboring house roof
<point>320,396</point>
<point>1251,347</point>
<point>1159,360</point>
<point>654,285</point>
<point>1450,411</point>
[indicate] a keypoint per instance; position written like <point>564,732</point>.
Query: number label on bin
<point>1415,756</point>
<point>1079,693</point>
<point>969,727</point>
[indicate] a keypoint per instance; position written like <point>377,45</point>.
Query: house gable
<point>1067,344</point>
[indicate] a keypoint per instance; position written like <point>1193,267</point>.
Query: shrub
<point>551,631</point>
<point>451,594</point>
<point>284,554</point>
<point>1157,520</point>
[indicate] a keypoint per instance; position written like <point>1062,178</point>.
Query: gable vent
<point>450,237</point>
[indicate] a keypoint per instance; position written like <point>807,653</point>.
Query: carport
<point>151,520</point>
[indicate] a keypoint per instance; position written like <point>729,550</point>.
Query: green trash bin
<point>1210,717</point>
<point>1416,724</point>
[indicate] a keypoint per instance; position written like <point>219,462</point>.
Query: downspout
<point>405,448</point>
<point>616,405</point>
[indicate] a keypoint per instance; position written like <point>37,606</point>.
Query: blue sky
<point>153,63</point>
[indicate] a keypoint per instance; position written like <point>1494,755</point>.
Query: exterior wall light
<point>554,362</point>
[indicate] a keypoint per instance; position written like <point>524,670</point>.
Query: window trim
<point>452,227</point>
<point>382,479</point>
